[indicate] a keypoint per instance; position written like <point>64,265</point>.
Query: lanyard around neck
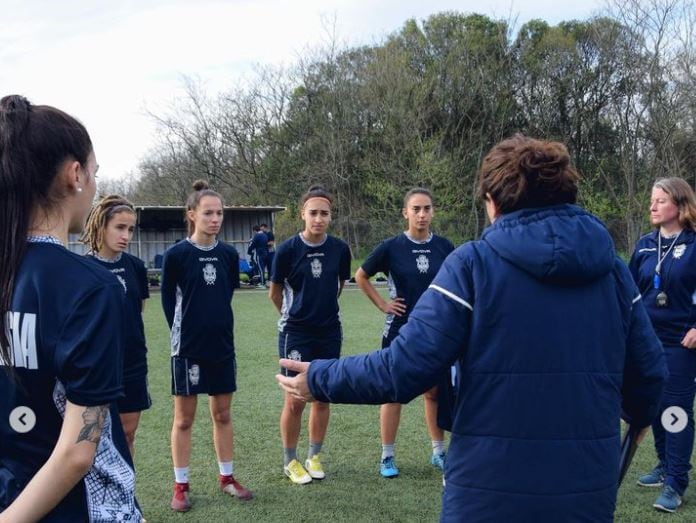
<point>661,257</point>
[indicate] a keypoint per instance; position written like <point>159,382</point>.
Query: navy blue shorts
<point>191,376</point>
<point>137,397</point>
<point>297,346</point>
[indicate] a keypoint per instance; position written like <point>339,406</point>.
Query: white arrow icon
<point>674,419</point>
<point>22,419</point>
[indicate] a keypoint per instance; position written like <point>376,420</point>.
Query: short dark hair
<point>256,228</point>
<point>523,172</point>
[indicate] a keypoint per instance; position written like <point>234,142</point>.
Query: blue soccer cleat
<point>388,468</point>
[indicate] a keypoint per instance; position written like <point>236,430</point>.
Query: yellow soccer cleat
<point>313,466</point>
<point>297,473</point>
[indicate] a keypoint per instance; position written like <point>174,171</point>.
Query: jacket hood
<point>562,244</point>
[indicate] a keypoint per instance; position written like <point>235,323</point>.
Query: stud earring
<point>79,189</point>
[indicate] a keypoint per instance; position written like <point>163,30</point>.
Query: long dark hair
<point>35,141</point>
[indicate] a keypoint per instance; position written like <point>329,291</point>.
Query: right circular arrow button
<point>674,419</point>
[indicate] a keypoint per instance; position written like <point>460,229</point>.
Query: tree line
<point>422,107</point>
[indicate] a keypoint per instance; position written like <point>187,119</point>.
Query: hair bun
<point>14,103</point>
<point>200,185</point>
<point>316,187</point>
<point>14,116</point>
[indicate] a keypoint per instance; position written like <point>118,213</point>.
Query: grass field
<point>353,490</point>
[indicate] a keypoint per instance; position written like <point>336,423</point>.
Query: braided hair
<point>99,217</point>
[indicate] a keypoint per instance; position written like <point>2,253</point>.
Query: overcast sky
<point>106,61</point>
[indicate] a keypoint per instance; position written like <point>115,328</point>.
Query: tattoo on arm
<point>94,419</point>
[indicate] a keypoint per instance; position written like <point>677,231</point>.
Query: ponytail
<point>35,141</point>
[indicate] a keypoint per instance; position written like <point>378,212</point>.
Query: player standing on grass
<point>271,247</point>
<point>258,250</point>
<point>308,274</point>
<point>108,232</point>
<point>664,268</point>
<point>63,457</point>
<point>199,276</point>
<point>410,260</point>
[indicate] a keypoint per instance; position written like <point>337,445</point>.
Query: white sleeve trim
<point>636,299</point>
<point>452,296</point>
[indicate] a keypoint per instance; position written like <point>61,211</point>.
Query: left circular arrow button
<point>22,419</point>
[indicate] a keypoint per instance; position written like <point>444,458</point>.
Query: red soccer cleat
<point>231,486</point>
<point>180,499</point>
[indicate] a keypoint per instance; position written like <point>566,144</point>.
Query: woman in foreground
<point>63,457</point>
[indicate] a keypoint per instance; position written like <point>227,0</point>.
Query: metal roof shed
<point>160,226</point>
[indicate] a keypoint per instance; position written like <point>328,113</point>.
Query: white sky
<point>106,61</point>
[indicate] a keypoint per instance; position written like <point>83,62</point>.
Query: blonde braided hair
<point>98,219</point>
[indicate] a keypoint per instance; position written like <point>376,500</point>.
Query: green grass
<point>353,490</point>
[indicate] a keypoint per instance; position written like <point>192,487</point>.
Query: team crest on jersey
<point>194,374</point>
<point>422,263</point>
<point>679,250</point>
<point>123,282</point>
<point>209,274</point>
<point>316,267</point>
<point>295,355</point>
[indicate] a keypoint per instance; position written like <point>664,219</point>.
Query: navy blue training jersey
<point>197,287</point>
<point>258,244</point>
<point>132,275</point>
<point>410,267</point>
<point>678,278</point>
<point>65,329</point>
<point>311,276</point>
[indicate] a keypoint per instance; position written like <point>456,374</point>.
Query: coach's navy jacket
<point>551,341</point>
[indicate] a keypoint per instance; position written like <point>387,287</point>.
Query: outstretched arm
<point>436,335</point>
